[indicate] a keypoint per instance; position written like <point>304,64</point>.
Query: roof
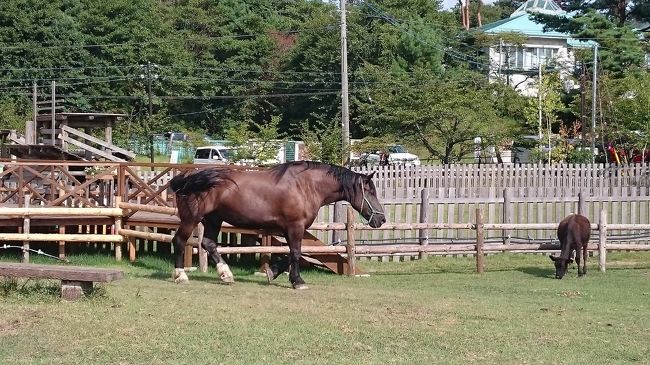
<point>526,25</point>
<point>538,6</point>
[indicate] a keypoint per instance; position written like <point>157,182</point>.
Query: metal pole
<point>345,111</point>
<point>593,104</point>
<point>53,112</point>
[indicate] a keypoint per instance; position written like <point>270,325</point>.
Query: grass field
<point>436,311</point>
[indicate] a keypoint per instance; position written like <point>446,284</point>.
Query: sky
<point>448,4</point>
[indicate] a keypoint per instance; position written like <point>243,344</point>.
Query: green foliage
<point>215,66</point>
<point>323,143</point>
<point>258,144</point>
<point>13,114</point>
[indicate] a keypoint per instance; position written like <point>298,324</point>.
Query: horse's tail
<point>177,183</point>
<point>197,182</point>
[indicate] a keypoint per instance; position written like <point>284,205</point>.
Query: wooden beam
<point>104,144</point>
<point>94,150</point>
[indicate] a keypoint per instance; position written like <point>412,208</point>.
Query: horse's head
<point>366,202</point>
<point>560,266</point>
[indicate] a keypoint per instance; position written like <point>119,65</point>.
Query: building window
<point>529,57</point>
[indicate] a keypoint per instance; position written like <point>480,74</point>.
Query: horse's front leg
<point>212,226</point>
<point>294,238</point>
<point>180,239</point>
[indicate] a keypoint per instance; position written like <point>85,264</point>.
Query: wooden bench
<point>75,280</point>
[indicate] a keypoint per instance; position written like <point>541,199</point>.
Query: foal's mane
<point>345,177</point>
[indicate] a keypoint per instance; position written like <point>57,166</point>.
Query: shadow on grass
<point>540,272</point>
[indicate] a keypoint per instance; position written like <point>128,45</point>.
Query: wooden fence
<point>508,194</point>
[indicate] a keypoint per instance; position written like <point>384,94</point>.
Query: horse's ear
<point>371,175</point>
<point>552,258</point>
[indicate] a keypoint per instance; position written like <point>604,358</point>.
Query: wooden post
<point>187,256</point>
<point>26,228</point>
<point>62,243</point>
<point>350,246</point>
<point>582,204</point>
<point>602,238</point>
<point>424,218</point>
<point>265,259</point>
<point>338,218</point>
<point>480,259</point>
<point>30,132</point>
<point>116,229</point>
<point>508,214</point>
<point>131,248</point>
<point>203,253</point>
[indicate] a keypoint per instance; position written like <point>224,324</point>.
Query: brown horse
<point>573,233</point>
<point>285,198</point>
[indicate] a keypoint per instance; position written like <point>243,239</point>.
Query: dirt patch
<point>12,326</point>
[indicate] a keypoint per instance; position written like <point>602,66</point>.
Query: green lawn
<point>437,311</point>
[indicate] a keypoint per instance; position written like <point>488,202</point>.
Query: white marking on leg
<point>180,277</point>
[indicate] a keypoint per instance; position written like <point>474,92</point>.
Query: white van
<point>216,155</point>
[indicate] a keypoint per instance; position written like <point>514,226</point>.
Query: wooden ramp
<point>335,262</point>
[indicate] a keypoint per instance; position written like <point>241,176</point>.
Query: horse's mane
<point>346,177</point>
<point>196,182</point>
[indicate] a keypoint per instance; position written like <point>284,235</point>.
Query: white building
<point>518,65</point>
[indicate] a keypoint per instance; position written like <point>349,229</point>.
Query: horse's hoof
<point>225,274</point>
<point>181,281</point>
<point>300,287</point>
<point>269,275</point>
<point>225,279</point>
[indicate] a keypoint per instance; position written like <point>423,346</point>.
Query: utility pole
<point>151,154</point>
<point>345,108</point>
<point>593,104</point>
<point>539,103</point>
<point>53,113</point>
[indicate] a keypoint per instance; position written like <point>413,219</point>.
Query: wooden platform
<point>75,280</point>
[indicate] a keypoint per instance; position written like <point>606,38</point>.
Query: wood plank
<point>71,273</point>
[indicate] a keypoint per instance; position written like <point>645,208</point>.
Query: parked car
<point>395,155</point>
<point>216,155</point>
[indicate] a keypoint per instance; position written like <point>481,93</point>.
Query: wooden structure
<point>75,280</point>
<point>76,133</point>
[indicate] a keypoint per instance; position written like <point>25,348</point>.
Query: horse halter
<point>365,200</point>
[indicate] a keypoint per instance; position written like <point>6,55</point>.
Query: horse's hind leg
<point>180,239</point>
<point>585,253</point>
<point>212,226</point>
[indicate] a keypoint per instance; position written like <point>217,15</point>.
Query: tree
<point>444,114</point>
<point>626,103</point>
<point>542,112</point>
<point>257,143</point>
